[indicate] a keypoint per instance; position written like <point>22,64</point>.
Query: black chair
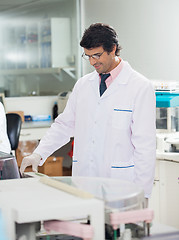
<point>14,123</point>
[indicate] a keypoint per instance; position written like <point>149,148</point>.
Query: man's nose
<point>92,61</point>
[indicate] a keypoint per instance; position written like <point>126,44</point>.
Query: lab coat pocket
<point>121,118</point>
<point>123,171</point>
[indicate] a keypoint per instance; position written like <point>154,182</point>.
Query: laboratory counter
<point>34,130</point>
<point>36,124</point>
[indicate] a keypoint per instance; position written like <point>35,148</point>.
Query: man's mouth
<point>97,66</point>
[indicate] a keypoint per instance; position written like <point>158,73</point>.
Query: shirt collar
<point>113,73</point>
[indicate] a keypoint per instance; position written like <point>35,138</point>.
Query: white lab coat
<point>114,135</point>
<point>4,141</point>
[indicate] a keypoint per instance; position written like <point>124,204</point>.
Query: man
<point>112,120</point>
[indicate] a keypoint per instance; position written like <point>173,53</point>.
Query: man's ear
<point>114,49</point>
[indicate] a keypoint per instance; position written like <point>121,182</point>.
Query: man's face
<point>105,63</point>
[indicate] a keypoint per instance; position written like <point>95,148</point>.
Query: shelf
<point>70,71</point>
<point>39,71</point>
<point>30,71</point>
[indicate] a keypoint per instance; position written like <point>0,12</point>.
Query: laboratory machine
<point>62,100</point>
<point>38,207</point>
<point>167,121</point>
<point>76,206</point>
<point>8,167</point>
<point>166,191</point>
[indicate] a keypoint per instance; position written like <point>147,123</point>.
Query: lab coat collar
<point>122,78</point>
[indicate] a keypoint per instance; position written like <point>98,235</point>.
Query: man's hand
<point>31,160</point>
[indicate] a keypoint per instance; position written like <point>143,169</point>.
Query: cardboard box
<point>53,166</point>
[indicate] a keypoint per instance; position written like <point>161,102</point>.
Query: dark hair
<point>99,34</point>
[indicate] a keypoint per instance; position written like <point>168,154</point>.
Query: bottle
<point>55,110</point>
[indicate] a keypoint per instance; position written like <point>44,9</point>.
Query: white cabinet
<point>34,130</point>
<point>169,193</point>
<point>40,44</point>
<point>55,41</point>
<point>32,134</point>
<point>165,196</point>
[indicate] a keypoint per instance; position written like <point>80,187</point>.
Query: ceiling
<point>10,6</point>
<point>6,5</point>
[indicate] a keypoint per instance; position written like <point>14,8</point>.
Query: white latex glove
<point>31,160</point>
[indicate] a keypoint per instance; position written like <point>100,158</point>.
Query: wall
<point>148,33</point>
<point>31,105</point>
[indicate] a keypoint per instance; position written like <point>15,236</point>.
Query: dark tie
<point>102,87</point>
